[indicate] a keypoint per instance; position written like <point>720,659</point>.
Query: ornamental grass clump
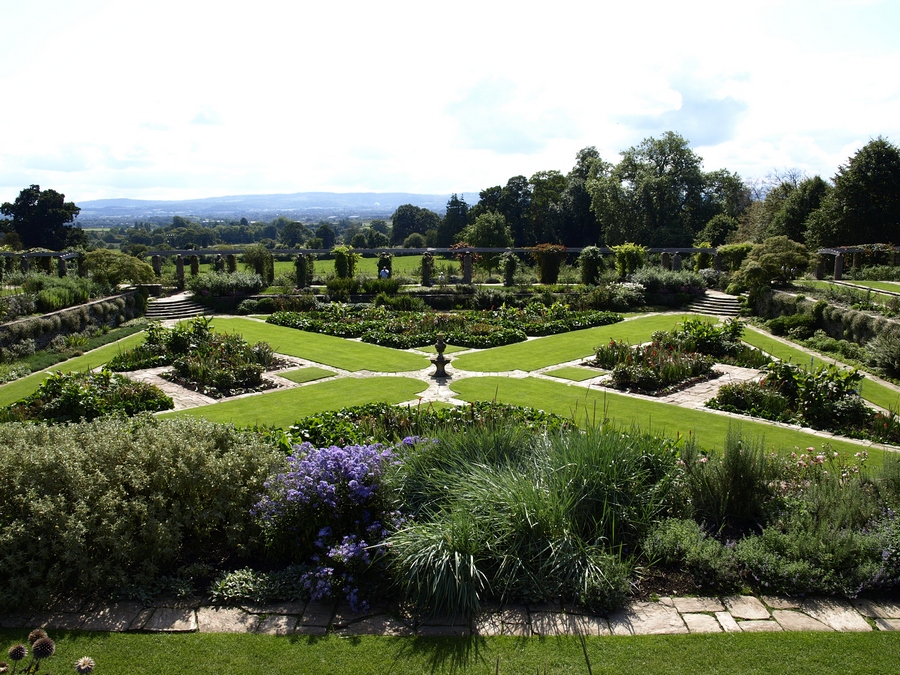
<point>325,509</point>
<point>501,514</point>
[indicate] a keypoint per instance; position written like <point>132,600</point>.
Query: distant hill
<point>300,205</point>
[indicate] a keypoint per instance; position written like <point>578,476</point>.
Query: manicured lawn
<point>870,390</point>
<point>18,389</point>
<point>216,653</point>
<point>283,408</point>
<point>574,373</point>
<point>891,286</point>
<point>587,406</point>
<point>303,375</point>
<point>547,351</point>
<point>331,351</point>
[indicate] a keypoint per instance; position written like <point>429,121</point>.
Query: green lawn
<point>870,390</point>
<point>588,406</point>
<point>721,654</point>
<point>325,349</point>
<point>283,408</point>
<point>19,389</point>
<point>553,349</point>
<point>303,375</point>
<point>574,373</point>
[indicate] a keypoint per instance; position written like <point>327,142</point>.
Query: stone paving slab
<point>58,621</point>
<point>701,623</point>
<point>760,626</point>
<point>226,620</point>
<point>275,608</point>
<point>557,623</point>
<point>692,605</point>
<point>277,624</point>
<point>116,617</point>
<point>781,602</point>
<point>888,624</point>
<point>172,620</point>
<point>746,607</point>
<point>877,609</point>
<point>837,614</point>
<point>317,614</point>
<point>729,625</point>
<point>646,618</point>
<point>790,619</point>
<point>377,625</point>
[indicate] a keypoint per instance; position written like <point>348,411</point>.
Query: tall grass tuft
<point>510,516</point>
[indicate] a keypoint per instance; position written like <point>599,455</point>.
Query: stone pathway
<point>729,614</point>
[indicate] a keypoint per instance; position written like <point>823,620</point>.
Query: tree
<point>455,219</point>
<point>658,194</point>
<point>864,206</point>
<point>777,259</point>
<point>293,233</point>
<point>408,219</point>
<point>113,268</point>
<point>546,195</point>
<point>326,234</point>
<point>488,231</point>
<point>790,219</point>
<point>42,219</point>
<point>578,224</point>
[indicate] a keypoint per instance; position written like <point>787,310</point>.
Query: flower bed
<point>475,329</point>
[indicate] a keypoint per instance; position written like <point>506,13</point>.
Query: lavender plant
<point>325,509</point>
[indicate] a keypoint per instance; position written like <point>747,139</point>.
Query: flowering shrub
<point>650,367</point>
<point>325,509</point>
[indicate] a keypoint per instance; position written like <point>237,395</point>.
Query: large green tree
<point>42,219</point>
<point>455,220</point>
<point>409,218</point>
<point>488,231</point>
<point>796,207</point>
<point>864,206</point>
<point>658,194</point>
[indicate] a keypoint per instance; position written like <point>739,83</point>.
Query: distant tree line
<point>656,195</point>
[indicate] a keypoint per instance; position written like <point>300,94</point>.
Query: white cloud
<point>198,98</point>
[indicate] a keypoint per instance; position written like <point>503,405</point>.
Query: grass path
<point>326,349</point>
<point>871,390</point>
<point>564,347</point>
<point>19,389</point>
<point>283,408</point>
<point>587,406</point>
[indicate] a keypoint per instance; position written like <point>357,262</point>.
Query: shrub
<point>222,284</point>
<point>658,280</point>
<point>548,258</point>
<point>86,396</point>
<point>590,262</point>
<point>682,544</point>
<point>883,352</point>
<point>97,506</point>
<point>629,257</point>
<point>345,261</point>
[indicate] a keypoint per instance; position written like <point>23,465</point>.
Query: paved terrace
<point>667,616</point>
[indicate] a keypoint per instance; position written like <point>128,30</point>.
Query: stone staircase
<point>717,304</point>
<point>179,306</point>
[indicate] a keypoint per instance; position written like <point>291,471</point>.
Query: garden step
<point>175,309</point>
<point>718,305</point>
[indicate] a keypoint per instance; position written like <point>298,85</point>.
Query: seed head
<point>35,635</point>
<point>43,648</point>
<point>18,652</point>
<point>4,667</point>
<point>84,665</point>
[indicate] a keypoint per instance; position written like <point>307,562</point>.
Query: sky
<point>192,98</point>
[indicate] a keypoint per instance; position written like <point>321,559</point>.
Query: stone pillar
<point>26,264</point>
<point>856,261</point>
<point>666,260</point>
<point>179,272</point>
<point>231,263</point>
<point>820,268</point>
<point>838,267</point>
<point>717,262</point>
<point>676,262</point>
<point>156,261</point>
<point>467,268</point>
<point>61,267</point>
